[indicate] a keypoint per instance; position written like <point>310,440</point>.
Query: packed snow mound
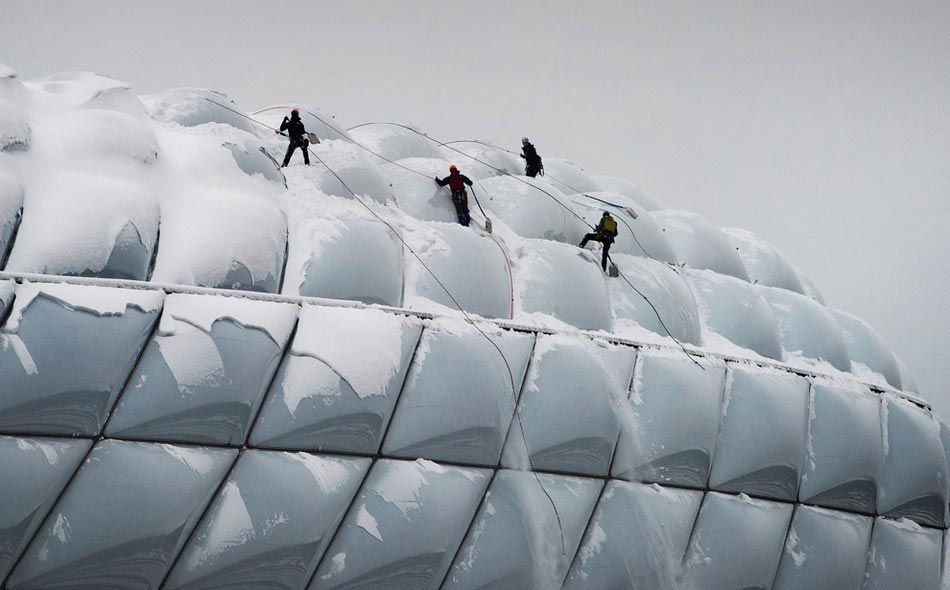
<point>394,142</point>
<point>96,137</point>
<point>416,192</point>
<point>93,209</point>
<point>252,158</point>
<point>348,170</point>
<point>221,227</point>
<point>84,90</point>
<point>700,245</point>
<point>612,184</point>
<point>532,208</point>
<point>191,107</point>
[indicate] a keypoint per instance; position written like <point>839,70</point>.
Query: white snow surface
<point>105,166</point>
<point>14,127</point>
<point>196,459</point>
<point>194,106</point>
<point>103,301</point>
<point>202,311</point>
<point>11,195</point>
<point>368,523</point>
<point>363,346</point>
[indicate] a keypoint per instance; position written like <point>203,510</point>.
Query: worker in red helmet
<point>298,137</point>
<point>457,182</point>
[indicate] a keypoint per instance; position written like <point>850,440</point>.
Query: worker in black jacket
<point>298,137</point>
<point>457,182</point>
<point>532,161</point>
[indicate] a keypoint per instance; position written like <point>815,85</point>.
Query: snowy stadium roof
<point>220,373</point>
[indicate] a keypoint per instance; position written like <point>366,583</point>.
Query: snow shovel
<point>313,138</point>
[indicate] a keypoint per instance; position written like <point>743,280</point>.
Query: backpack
<point>608,225</point>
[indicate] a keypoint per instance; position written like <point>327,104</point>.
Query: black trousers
<point>607,241</point>
<point>303,144</point>
<point>460,200</point>
<point>532,170</point>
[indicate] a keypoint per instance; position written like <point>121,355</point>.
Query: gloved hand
<point>521,156</point>
<point>436,179</point>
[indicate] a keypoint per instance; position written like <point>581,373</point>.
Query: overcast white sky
<point>822,126</point>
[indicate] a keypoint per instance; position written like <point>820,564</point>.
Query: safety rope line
<point>511,280</point>
<point>464,313</point>
<point>468,318</point>
<point>567,208</point>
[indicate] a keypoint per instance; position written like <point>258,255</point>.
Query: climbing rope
<point>503,172</point>
<point>455,302</point>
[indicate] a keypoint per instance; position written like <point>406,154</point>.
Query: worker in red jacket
<point>457,182</point>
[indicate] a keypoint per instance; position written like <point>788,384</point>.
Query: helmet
<point>524,140</point>
<point>295,112</point>
<point>452,168</point>
<point>606,214</point>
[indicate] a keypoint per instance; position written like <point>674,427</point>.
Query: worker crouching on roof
<point>298,137</point>
<point>457,182</point>
<point>605,233</point>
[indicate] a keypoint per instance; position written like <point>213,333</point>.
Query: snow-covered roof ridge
<point>366,222</point>
<point>105,301</point>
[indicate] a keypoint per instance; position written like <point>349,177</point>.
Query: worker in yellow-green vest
<point>605,233</point>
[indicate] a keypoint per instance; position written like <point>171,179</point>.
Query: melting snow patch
<point>339,563</point>
<point>328,473</point>
<point>794,549</point>
<point>403,487</point>
<point>232,526</point>
<point>49,450</point>
<point>103,301</point>
<point>193,359</point>
<point>298,386</point>
<point>195,459</point>
<point>61,529</point>
<point>365,521</point>
<point>202,311</point>
<point>594,545</point>
<point>363,346</point>
<point>22,353</point>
